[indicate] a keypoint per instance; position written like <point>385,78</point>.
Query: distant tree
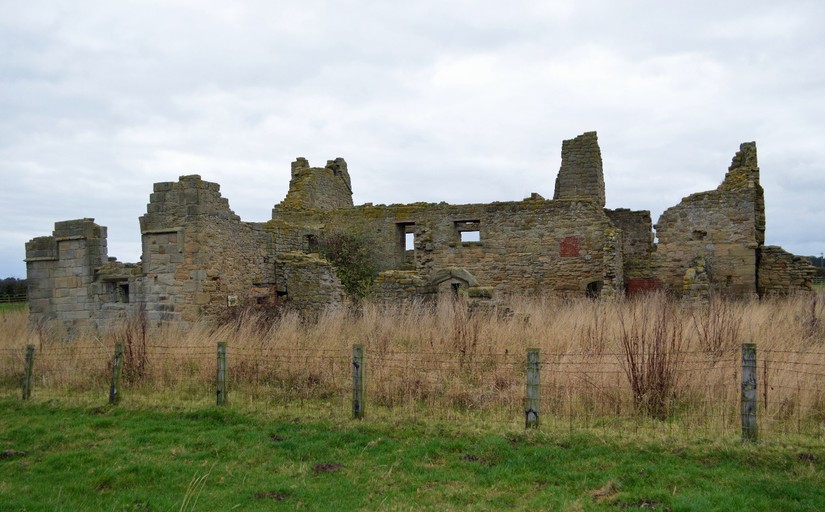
<point>11,287</point>
<point>817,261</point>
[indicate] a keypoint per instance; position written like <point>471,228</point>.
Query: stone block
<point>201,298</point>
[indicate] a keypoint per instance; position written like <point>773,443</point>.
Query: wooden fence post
<point>749,391</point>
<point>221,376</point>
<point>357,382</point>
<point>27,372</point>
<point>117,365</point>
<point>531,406</point>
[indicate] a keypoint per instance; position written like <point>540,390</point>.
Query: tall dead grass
<point>600,359</point>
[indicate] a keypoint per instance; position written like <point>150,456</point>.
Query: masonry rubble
<point>199,258</point>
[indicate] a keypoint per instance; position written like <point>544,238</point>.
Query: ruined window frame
<point>467,226</point>
<point>310,243</point>
<point>122,292</point>
<point>406,256</point>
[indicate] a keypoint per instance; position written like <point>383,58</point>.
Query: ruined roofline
<point>580,178</point>
<point>198,258</point>
<point>743,171</point>
<point>317,188</point>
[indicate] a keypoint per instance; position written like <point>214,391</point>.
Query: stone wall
<point>326,188</point>
<point>524,247</point>
<point>782,273</point>
<point>724,227</point>
<point>199,258</point>
<point>307,282</point>
<point>61,271</point>
<point>397,286</point>
<point>637,248</point>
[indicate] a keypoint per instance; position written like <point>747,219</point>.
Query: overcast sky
<point>453,101</point>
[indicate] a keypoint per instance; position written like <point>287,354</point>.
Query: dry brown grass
<point>602,361</point>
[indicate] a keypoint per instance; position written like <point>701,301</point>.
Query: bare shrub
<point>132,333</point>
<point>652,346</point>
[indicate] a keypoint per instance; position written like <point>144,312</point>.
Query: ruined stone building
<point>199,258</point>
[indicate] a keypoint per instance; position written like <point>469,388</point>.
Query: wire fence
<point>705,396</point>
<point>6,298</point>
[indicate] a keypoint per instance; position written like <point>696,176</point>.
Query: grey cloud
<point>458,101</point>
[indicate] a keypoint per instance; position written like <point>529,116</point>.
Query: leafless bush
<point>652,346</point>
<point>132,333</point>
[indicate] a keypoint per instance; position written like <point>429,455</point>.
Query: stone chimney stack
<point>581,175</point>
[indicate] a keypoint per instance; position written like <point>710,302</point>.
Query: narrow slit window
<point>406,242</point>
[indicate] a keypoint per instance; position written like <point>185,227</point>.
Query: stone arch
<point>453,273</point>
<point>453,281</point>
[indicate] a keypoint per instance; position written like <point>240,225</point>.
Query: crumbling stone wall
<point>61,271</point>
<point>637,242</point>
<point>724,227</point>
<point>397,286</point>
<point>199,258</point>
<point>781,273</point>
<point>524,247</point>
<point>307,282</point>
<point>326,188</point>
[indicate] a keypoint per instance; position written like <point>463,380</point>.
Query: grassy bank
<point>55,456</point>
<point>13,306</point>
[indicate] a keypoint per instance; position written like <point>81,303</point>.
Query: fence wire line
<point>598,388</point>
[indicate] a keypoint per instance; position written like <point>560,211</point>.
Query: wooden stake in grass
<point>221,376</point>
<point>749,391</point>
<point>27,372</point>
<point>117,365</point>
<point>357,382</point>
<point>531,406</point>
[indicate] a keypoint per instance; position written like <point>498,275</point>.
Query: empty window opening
<point>406,243</point>
<point>122,293</point>
<point>470,236</point>
<point>310,244</point>
<point>469,231</point>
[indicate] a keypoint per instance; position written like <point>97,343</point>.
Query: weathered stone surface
<point>581,175</point>
<point>199,258</point>
<point>724,227</point>
<point>307,281</point>
<point>326,188</point>
<point>780,272</point>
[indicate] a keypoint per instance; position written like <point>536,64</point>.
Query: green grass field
<point>13,306</point>
<point>60,456</point>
